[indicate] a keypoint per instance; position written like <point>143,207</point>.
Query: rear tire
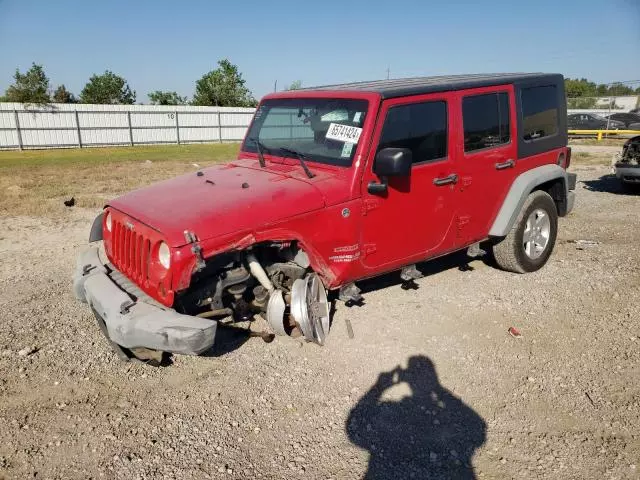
<point>530,242</point>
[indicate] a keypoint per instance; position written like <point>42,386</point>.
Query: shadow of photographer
<point>413,427</point>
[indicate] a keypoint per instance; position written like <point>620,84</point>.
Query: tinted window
<point>420,127</point>
<point>486,121</point>
<point>539,112</point>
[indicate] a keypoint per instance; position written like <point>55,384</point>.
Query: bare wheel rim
<point>537,232</point>
<point>310,308</point>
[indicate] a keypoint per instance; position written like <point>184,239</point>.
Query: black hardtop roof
<point>400,87</point>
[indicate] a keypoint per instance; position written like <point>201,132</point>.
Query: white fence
<point>80,125</point>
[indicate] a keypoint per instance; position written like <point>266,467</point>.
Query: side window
<point>420,127</point>
<point>486,121</point>
<point>539,112</point>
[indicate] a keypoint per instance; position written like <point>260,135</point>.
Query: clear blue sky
<point>169,45</point>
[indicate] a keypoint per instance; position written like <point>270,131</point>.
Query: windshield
<point>324,130</point>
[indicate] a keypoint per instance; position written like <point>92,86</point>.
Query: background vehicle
<point>333,185</point>
<point>627,167</point>
<point>627,118</point>
<point>592,121</point>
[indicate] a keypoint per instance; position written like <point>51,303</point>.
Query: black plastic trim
<point>96,229</point>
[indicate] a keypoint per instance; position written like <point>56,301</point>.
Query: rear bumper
<point>130,321</point>
<point>627,172</point>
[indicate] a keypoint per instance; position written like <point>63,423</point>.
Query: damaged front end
<point>627,163</point>
<point>272,280</point>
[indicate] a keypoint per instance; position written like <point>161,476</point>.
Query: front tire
<point>530,242</point>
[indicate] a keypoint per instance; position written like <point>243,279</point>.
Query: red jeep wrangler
<point>333,185</point>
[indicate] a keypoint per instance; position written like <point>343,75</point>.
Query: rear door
<point>488,156</point>
<point>413,219</point>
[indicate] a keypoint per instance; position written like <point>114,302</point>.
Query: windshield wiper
<point>260,147</point>
<point>300,156</point>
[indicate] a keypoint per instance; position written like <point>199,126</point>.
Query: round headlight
<point>164,255</point>
<point>107,222</point>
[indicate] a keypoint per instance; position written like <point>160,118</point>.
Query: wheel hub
<point>536,234</point>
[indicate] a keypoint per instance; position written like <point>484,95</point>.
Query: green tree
<point>166,98</point>
<point>581,102</point>
<point>62,95</point>
<point>30,87</point>
<point>295,85</point>
<point>108,88</point>
<point>579,87</point>
<point>223,87</point>
<point>618,89</point>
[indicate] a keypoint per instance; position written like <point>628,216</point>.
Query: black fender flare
<point>96,229</point>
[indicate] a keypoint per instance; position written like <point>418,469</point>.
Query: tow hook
<point>126,306</point>
<point>87,269</point>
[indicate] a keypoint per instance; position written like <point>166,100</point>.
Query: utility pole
<point>275,86</point>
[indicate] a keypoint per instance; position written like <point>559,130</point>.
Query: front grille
<point>131,252</point>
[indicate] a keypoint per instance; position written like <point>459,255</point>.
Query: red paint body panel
<point>348,233</point>
<point>190,202</point>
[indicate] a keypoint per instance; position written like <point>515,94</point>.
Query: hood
<point>219,200</point>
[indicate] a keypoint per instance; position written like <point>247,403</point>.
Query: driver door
<point>415,218</point>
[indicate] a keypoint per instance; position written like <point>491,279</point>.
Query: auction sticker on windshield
<point>343,133</point>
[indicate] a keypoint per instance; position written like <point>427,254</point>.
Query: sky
<point>162,45</point>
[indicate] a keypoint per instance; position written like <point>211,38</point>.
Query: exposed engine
<point>273,280</point>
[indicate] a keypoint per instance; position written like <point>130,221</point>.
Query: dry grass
<point>37,182</point>
<point>584,158</point>
<point>605,142</point>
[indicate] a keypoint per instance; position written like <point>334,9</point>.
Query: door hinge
<point>369,204</point>
<point>368,249</point>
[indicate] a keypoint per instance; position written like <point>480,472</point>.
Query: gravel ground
<point>432,385</point>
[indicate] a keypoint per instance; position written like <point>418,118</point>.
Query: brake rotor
<point>310,308</point>
<point>275,312</point>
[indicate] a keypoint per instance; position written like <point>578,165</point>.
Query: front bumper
<point>130,321</point>
<point>627,172</point>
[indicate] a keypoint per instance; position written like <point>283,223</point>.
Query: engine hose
<point>258,272</point>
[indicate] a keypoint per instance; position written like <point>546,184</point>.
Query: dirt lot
<point>432,385</point>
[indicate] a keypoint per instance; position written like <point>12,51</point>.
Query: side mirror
<point>390,162</point>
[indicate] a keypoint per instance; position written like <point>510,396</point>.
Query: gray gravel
<point>432,385</point>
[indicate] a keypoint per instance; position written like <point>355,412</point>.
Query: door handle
<point>438,182</point>
<point>508,164</point>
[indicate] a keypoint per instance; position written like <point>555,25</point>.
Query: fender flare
<point>520,189</point>
<point>96,229</point>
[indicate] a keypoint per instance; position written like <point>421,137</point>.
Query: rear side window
<point>539,112</point>
<point>420,127</point>
<point>486,121</point>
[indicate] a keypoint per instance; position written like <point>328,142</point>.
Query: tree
<point>295,85</point>
<point>62,95</point>
<point>223,87</point>
<point>30,87</point>
<point>579,88</point>
<point>108,88</point>
<point>166,98</point>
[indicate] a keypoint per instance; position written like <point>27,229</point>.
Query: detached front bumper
<point>132,322</point>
